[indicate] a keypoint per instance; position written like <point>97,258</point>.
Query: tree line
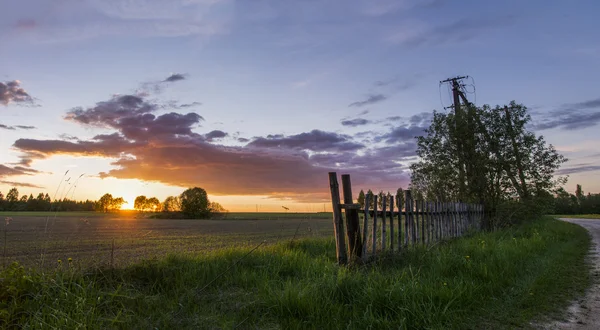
<point>578,203</point>
<point>14,202</point>
<point>193,203</point>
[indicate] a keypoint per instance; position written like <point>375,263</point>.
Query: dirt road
<point>585,312</point>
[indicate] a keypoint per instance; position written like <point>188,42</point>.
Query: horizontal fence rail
<point>385,229</point>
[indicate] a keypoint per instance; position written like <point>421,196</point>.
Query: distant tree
<point>12,196</point>
<point>153,204</point>
<point>371,199</point>
<point>215,207</point>
<point>140,203</point>
<point>390,199</point>
<point>400,198</point>
<point>380,197</point>
<point>105,203</point>
<point>117,203</point>
<point>194,203</point>
<point>361,199</point>
<point>172,204</point>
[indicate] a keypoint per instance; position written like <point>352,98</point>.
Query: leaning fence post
<point>338,223</point>
<point>374,224</point>
<point>352,222</point>
<point>365,225</point>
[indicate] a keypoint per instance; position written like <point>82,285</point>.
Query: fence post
<point>352,222</point>
<point>392,223</point>
<point>438,206</point>
<point>383,221</point>
<point>338,223</point>
<point>427,222</point>
<point>422,224</point>
<point>365,225</point>
<point>399,223</point>
<point>407,215</point>
<point>374,224</point>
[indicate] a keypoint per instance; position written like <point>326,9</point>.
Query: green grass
<point>578,216</point>
<point>490,280</point>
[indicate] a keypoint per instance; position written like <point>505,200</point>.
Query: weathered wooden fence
<point>386,230</point>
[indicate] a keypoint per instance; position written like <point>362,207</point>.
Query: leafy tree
<point>104,203</point>
<point>12,196</point>
<point>400,198</point>
<point>361,199</point>
<point>140,203</point>
<point>380,197</point>
<point>194,203</point>
<point>215,207</point>
<point>486,155</point>
<point>117,203</point>
<point>371,199</point>
<point>172,204</point>
<point>153,204</point>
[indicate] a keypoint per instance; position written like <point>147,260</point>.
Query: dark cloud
<point>156,87</point>
<point>355,122</point>
<point>570,116</point>
<point>215,135</point>
<point>315,140</point>
<point>21,184</point>
<point>402,133</point>
<point>394,118</point>
<point>67,137</point>
<point>175,77</point>
<point>12,128</point>
<point>16,170</point>
<point>131,115</point>
<point>460,30</point>
<point>398,83</point>
<point>578,169</point>
<point>371,99</point>
<point>407,129</point>
<point>187,105</point>
<point>12,92</point>
<point>590,104</point>
<point>164,148</point>
<point>107,113</point>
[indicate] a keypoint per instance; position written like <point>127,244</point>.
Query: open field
<point>135,214</point>
<point>42,241</point>
<point>493,280</point>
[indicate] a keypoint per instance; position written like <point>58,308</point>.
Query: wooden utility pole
<point>459,131</point>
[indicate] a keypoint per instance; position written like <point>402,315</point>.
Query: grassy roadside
<point>495,280</point>
<point>578,216</point>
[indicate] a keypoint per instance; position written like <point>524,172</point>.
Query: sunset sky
<point>256,101</point>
